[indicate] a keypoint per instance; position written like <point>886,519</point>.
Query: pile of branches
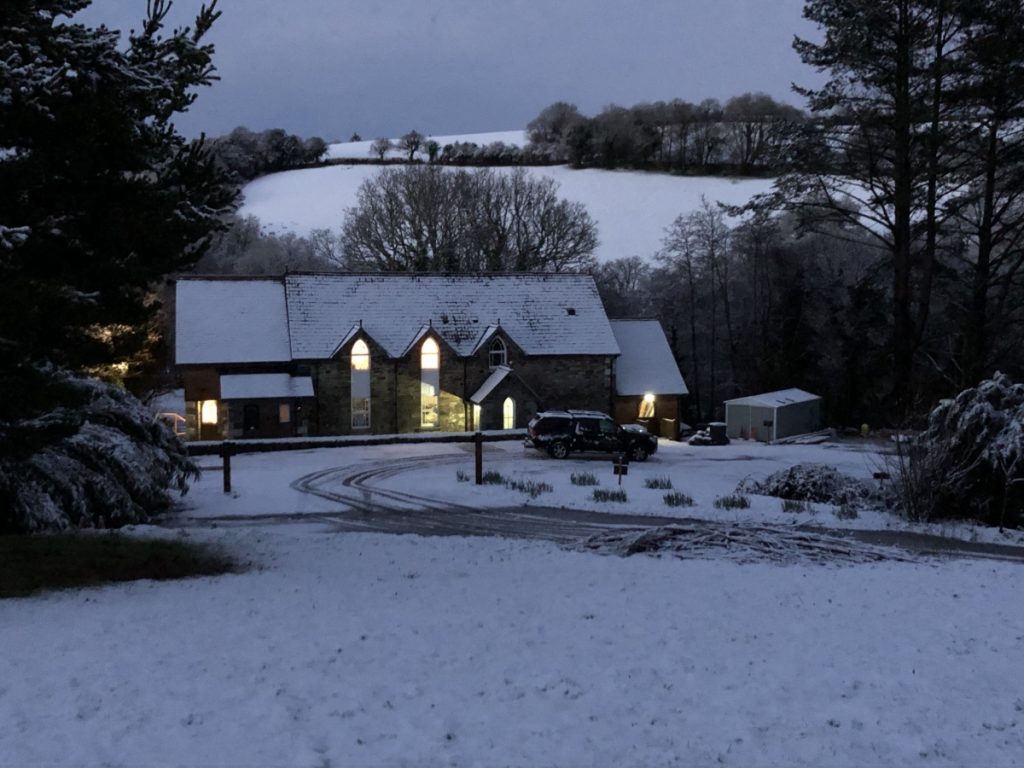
<point>741,543</point>
<point>100,459</point>
<point>819,483</point>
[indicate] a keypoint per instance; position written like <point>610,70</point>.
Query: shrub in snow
<point>736,501</point>
<point>100,458</point>
<point>811,482</point>
<point>583,478</point>
<point>969,462</point>
<point>658,483</point>
<point>678,499</point>
<point>606,494</point>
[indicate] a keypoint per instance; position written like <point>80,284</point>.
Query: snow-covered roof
<point>646,365</point>
<point>231,321</point>
<point>253,386</point>
<point>496,377</point>
<point>545,314</point>
<point>775,399</point>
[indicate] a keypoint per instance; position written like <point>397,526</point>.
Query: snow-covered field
<point>364,649</point>
<point>632,209</point>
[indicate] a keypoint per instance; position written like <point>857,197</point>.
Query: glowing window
<point>476,416</point>
<point>430,383</point>
<point>359,394</point>
<point>360,356</point>
<point>284,413</point>
<point>647,407</point>
<point>208,411</point>
<point>498,354</point>
<point>508,414</point>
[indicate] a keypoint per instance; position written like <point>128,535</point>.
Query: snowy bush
<point>811,482</point>
<point>969,462</point>
<point>98,459</point>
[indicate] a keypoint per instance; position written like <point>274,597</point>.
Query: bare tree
<point>435,219</point>
<point>380,147</point>
<point>410,143</point>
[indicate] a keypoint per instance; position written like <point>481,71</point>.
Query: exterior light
<point>648,398</point>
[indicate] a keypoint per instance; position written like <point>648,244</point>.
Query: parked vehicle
<point>563,432</point>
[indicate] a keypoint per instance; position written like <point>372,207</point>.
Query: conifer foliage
<point>100,198</point>
<point>99,195</point>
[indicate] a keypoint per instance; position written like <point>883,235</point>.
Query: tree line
<point>748,134</point>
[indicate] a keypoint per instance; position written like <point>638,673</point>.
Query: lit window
<point>508,414</point>
<point>360,356</point>
<point>430,383</point>
<point>208,411</point>
<point>647,407</point>
<point>499,354</point>
<point>359,394</point>
<point>284,413</point>
<point>476,416</point>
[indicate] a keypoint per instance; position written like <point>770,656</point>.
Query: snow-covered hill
<point>631,208</point>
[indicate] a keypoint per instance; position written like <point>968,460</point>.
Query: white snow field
<point>632,209</point>
<point>339,649</point>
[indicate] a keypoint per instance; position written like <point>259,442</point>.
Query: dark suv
<point>562,432</point>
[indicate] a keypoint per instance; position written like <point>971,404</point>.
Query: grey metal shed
<point>773,415</point>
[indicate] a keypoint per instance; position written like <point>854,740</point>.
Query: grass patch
<point>493,477</point>
<point>678,499</point>
<point>30,564</point>
<point>659,483</point>
<point>583,478</point>
<point>529,487</point>
<point>607,494</point>
<point>462,475</point>
<point>846,512</point>
<point>735,501</point>
<point>797,506</point>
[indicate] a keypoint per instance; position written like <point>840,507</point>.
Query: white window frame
<point>498,354</point>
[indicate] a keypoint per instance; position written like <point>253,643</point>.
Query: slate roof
<point>496,377</point>
<point>646,364</point>
<point>230,321</point>
<point>550,314</point>
<point>775,399</point>
<point>308,316</point>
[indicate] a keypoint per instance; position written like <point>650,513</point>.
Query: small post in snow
<point>478,454</point>
<point>225,454</point>
<point>621,466</point>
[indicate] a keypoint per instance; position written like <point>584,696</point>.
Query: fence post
<point>225,454</point>
<point>478,440</point>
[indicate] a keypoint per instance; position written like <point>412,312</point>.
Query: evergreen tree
<point>100,197</point>
<point>890,119</point>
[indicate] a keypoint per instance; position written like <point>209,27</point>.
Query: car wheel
<point>638,453</point>
<point>558,450</point>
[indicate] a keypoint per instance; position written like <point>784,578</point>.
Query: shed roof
<point>253,386</point>
<point>231,321</point>
<point>777,399</point>
<point>646,364</point>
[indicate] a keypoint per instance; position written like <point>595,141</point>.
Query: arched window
<point>508,414</point>
<point>430,383</point>
<point>499,354</point>
<point>359,394</point>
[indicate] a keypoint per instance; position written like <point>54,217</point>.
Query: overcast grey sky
<point>383,67</point>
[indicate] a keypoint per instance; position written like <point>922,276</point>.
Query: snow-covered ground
<point>261,482</point>
<point>632,209</point>
<point>365,649</point>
